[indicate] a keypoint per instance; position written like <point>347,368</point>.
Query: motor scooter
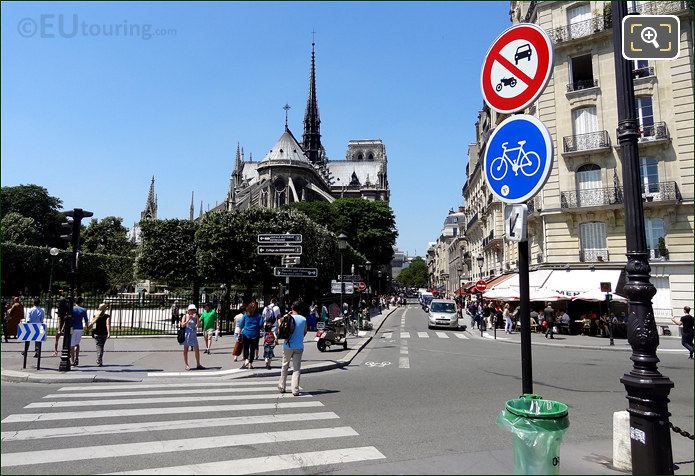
<point>335,333</point>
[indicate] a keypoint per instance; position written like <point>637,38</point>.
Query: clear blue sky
<point>93,117</point>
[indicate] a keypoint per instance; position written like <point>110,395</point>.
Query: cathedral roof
<point>286,149</point>
<point>342,171</point>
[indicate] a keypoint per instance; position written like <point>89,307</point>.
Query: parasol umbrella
<point>504,294</point>
<point>598,296</point>
<point>548,295</point>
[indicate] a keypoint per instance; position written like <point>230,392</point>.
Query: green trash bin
<point>537,427</point>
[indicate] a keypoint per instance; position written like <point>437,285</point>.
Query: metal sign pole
<point>524,316</point>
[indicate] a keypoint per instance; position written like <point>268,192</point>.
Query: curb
<point>16,376</point>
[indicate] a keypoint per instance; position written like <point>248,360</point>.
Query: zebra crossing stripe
<point>161,425</point>
<point>231,383</point>
<point>424,335</point>
<point>405,335</point>
<point>442,335</point>
<point>25,458</point>
<point>200,391</point>
<point>129,412</point>
<point>273,463</point>
<point>460,335</point>
<point>144,401</point>
<point>386,335</point>
<point>404,363</point>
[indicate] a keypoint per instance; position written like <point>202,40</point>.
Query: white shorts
<point>76,337</point>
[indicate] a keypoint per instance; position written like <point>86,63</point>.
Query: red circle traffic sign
<point>517,67</point>
<point>480,286</point>
<point>361,287</point>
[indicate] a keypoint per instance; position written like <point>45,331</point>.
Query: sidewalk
<point>666,344</point>
<point>161,357</point>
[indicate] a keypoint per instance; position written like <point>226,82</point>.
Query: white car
<point>442,313</point>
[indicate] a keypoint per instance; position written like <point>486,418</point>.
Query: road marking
<point>488,336</point>
<point>161,425</point>
<point>404,350</point>
<point>442,335</point>
<point>145,401</point>
<point>26,458</point>
<point>386,335</point>
<point>460,335</point>
<point>273,463</point>
<point>377,364</point>
<point>403,363</point>
<point>199,391</point>
<point>405,335</point>
<point>232,383</point>
<point>424,335</point>
<point>128,412</point>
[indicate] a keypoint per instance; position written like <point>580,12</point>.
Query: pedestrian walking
<point>36,316</point>
<point>101,322</point>
<point>507,315</point>
<point>190,322</point>
<point>211,326</point>
<point>268,344</point>
<point>687,332</point>
<point>79,320</point>
<point>292,351</point>
<point>14,317</point>
<point>237,336</point>
<point>549,314</point>
<point>250,327</point>
<point>63,311</point>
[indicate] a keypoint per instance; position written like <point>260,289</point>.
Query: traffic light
<point>67,228</point>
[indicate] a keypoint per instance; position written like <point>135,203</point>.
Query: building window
<point>581,72</point>
<point>584,120</point>
<point>589,186</point>
<point>649,172</point>
<point>645,113</point>
<point>641,69</point>
<point>592,239</point>
<point>578,20</point>
<point>654,230</point>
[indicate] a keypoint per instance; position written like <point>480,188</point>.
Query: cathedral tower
<point>311,141</point>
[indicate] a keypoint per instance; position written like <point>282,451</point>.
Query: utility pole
<point>647,389</point>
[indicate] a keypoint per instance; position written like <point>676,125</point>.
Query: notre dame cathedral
<point>294,171</point>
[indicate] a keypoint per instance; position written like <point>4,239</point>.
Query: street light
<point>342,245</point>
<point>378,283</point>
<point>368,268</point>
<point>54,252</point>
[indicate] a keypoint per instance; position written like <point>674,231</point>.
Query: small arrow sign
<point>279,249</point>
<point>27,331</point>
<point>279,238</point>
<point>296,272</point>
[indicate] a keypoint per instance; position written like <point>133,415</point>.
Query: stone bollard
<point>622,453</point>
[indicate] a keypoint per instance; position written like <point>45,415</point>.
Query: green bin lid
<point>533,406</point>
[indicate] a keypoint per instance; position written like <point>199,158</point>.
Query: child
<point>268,345</point>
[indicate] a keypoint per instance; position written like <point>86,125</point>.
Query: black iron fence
<point>643,72</point>
<point>581,29</point>
<point>654,132</point>
<point>661,8</point>
<point>582,84</point>
<point>597,197</point>
<point>590,141</point>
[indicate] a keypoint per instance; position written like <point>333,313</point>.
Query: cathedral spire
<point>150,211</point>
<point>192,209</point>
<point>311,141</point>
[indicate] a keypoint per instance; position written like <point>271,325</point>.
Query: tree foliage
<point>18,229</point>
<point>415,275</point>
<point>107,236</point>
<point>168,252</point>
<point>33,201</point>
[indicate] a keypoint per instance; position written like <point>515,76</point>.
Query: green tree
<point>415,275</point>
<point>16,228</point>
<point>107,236</point>
<point>33,201</point>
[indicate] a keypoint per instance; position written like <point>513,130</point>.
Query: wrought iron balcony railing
<point>580,29</point>
<point>592,255</point>
<point>582,84</point>
<point>661,192</point>
<point>643,72</point>
<point>589,141</point>
<point>655,132</point>
<point>491,239</point>
<point>661,8</point>
<point>657,254</point>
<point>591,197</point>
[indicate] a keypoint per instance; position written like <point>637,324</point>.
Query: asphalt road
<point>408,404</point>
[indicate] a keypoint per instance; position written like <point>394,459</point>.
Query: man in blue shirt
<point>79,320</point>
<point>36,316</point>
<point>292,350</point>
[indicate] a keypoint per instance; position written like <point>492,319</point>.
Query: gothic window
<point>360,156</point>
<point>370,156</point>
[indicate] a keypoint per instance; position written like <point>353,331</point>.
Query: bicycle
<point>524,161</point>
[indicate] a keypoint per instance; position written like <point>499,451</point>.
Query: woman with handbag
<point>189,322</point>
<point>102,330</point>
<point>250,327</point>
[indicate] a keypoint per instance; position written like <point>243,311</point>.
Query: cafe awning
<point>536,280</point>
<point>576,281</point>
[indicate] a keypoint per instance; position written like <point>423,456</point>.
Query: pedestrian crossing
<point>426,335</point>
<point>186,428</point>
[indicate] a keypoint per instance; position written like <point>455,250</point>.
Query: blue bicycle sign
<point>518,158</point>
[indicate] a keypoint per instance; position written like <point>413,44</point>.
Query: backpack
<point>268,316</point>
<point>286,327</point>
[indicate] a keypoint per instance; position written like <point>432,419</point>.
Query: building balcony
<point>593,255</point>
<point>658,255</point>
<point>472,221</point>
<point>492,241</point>
<point>662,8</point>
<point>582,29</point>
<point>612,197</point>
<point>656,133</point>
<point>661,193</point>
<point>645,72</point>
<point>582,143</point>
<point>582,84</point>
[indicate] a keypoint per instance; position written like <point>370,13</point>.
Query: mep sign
<point>31,332</point>
<point>296,272</point>
<point>282,249</point>
<point>515,222</point>
<point>279,238</point>
<point>517,68</point>
<point>518,158</point>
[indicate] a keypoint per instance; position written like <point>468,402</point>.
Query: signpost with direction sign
<point>348,287</point>
<point>279,238</point>
<point>517,68</point>
<point>515,222</point>
<point>279,249</point>
<point>31,332</point>
<point>295,272</point>
<point>290,260</point>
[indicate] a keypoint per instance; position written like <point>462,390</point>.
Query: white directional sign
<point>279,249</point>
<point>515,222</point>
<point>296,272</point>
<point>348,288</point>
<point>31,332</point>
<point>290,260</point>
<point>279,238</point>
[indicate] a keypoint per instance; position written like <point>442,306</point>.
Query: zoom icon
<point>651,37</point>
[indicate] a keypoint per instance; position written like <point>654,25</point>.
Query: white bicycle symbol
<point>377,364</point>
<point>527,162</point>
